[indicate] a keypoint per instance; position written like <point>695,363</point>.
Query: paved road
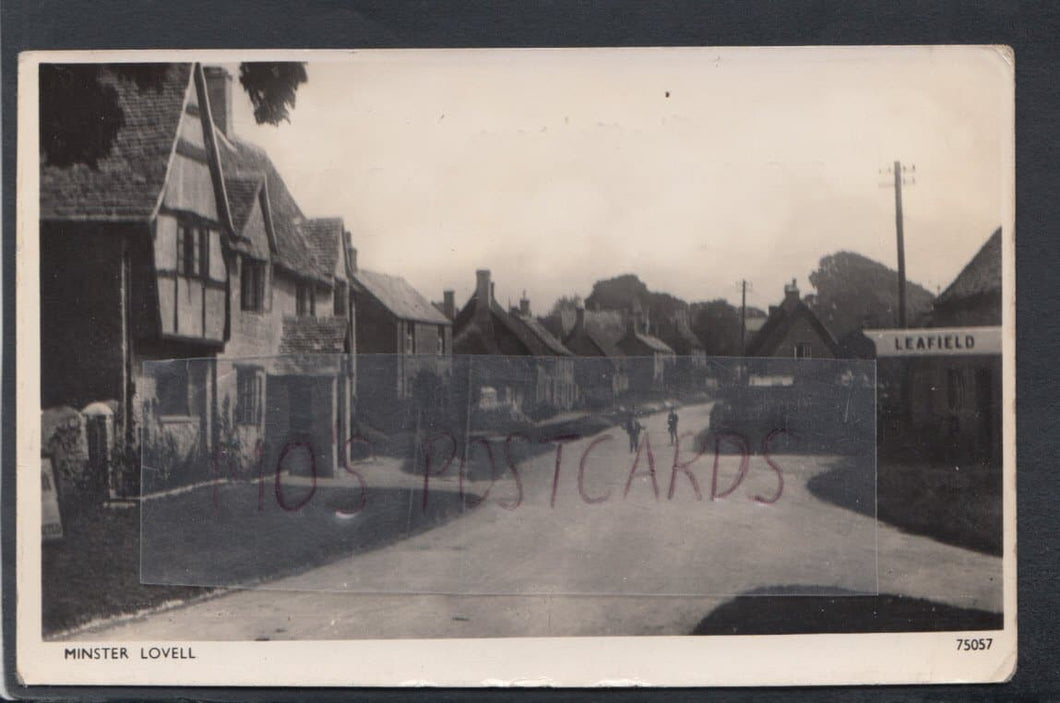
<point>557,565</point>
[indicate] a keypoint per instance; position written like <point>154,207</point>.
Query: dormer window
<point>305,300</point>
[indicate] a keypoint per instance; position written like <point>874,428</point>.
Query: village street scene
<point>259,423</point>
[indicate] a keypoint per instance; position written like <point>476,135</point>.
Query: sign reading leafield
<point>937,341</point>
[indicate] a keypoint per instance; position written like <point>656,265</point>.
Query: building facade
<point>545,383</point>
<point>793,330</point>
<point>405,343</point>
<point>600,372</point>
<point>165,269</point>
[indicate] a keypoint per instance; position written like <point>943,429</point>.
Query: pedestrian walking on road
<point>671,424</point>
<point>633,429</point>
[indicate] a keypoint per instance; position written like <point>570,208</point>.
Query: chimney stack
<point>791,293</point>
<point>483,289</point>
<point>353,253</point>
<point>448,304</point>
<point>219,93</point>
<point>579,318</point>
<point>524,305</point>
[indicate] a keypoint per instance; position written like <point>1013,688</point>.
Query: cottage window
<point>803,350</point>
<point>410,339</point>
<point>441,340</point>
<point>171,389</point>
<point>252,286</point>
<point>305,300</point>
<point>193,259</point>
<point>339,303</point>
<point>248,396</point>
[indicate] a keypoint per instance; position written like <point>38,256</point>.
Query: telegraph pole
<point>743,317</point>
<point>899,179</point>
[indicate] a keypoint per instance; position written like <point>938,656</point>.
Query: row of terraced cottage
<point>191,309</point>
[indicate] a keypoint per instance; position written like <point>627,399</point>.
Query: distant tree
<point>628,293</point>
<point>561,317</point>
<point>564,304</point>
<point>717,326</point>
<point>853,292</point>
<point>80,115</point>
<point>623,292</point>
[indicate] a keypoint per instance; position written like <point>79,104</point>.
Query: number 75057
<point>977,644</point>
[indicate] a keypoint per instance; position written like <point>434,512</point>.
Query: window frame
<point>249,392</point>
<point>193,250</point>
<point>339,301</point>
<point>256,270</point>
<point>305,299</point>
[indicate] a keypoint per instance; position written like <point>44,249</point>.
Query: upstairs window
<point>252,286</point>
<point>305,300</point>
<point>193,255</point>
<point>803,350</point>
<point>340,299</point>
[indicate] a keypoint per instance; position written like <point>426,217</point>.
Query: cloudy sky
<point>692,168</point>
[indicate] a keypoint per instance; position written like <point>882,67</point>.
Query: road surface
<point>637,563</point>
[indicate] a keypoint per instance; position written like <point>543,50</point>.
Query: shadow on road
<point>962,508</point>
<point>779,611</point>
<point>226,539</point>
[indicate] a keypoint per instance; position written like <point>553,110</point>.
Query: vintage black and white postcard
<point>561,367</point>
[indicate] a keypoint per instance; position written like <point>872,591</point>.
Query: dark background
<point>1030,28</point>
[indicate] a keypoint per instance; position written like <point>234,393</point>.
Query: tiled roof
<point>543,336</point>
<point>587,343</point>
<point>126,184</point>
<point>780,321</point>
<point>242,193</point>
<point>981,275</point>
<point>399,297</point>
<point>313,335</point>
<point>324,236</point>
<point>531,334</point>
<point>241,159</point>
<point>653,343</point>
<point>679,337</point>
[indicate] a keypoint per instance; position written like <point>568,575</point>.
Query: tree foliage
<point>627,293</point>
<point>80,115</point>
<point>854,292</point>
<point>272,88</point>
<point>717,325</point>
